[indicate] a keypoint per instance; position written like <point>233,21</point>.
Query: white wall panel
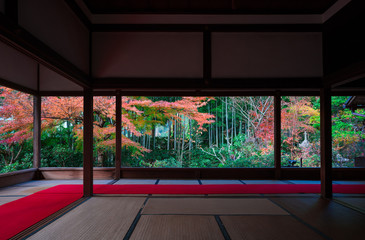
<point>54,23</point>
<point>52,81</point>
<point>271,55</point>
<point>151,54</point>
<point>17,68</point>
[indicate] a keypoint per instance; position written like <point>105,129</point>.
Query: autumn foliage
<point>176,131</point>
<point>17,116</point>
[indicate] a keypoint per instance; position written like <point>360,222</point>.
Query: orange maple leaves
<point>16,122</point>
<point>16,116</point>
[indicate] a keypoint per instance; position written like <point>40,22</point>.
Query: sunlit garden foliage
<point>177,131</point>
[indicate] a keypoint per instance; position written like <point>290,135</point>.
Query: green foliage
<point>348,133</point>
<point>60,147</point>
<point>16,166</point>
<point>24,160</point>
<point>242,153</point>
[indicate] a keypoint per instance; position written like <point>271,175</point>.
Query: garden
<point>178,132</point>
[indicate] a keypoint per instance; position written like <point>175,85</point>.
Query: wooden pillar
<point>326,143</point>
<point>118,135</point>
<point>37,100</point>
<point>88,143</point>
<point>277,135</point>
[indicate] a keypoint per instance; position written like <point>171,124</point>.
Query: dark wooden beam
<point>204,27</point>
<point>183,93</point>
<point>118,135</point>
<point>343,45</point>
<point>214,84</point>
<point>357,85</point>
<point>18,87</point>
<point>79,13</point>
<point>214,92</point>
<point>11,10</point>
<point>20,39</point>
<point>88,143</point>
<point>277,135</point>
<point>346,75</point>
<point>349,92</point>
<point>37,100</point>
<point>326,143</point>
<point>62,93</point>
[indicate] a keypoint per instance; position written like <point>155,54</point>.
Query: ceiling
<point>209,6</point>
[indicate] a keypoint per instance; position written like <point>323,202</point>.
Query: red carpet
<point>204,189</point>
<point>18,215</point>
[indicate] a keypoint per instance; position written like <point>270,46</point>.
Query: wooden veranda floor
<point>244,216</point>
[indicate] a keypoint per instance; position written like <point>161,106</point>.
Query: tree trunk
<point>209,131</point>
<point>190,142</point>
<point>216,124</point>
<point>149,141</point>
<point>168,135</point>
<point>154,136</point>
<point>175,135</point>
<point>182,144</point>
<point>100,158</point>
<point>233,130</point>
<point>222,136</point>
<point>227,127</point>
<point>178,137</point>
<point>240,128</point>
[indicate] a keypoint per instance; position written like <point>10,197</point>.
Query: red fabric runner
<point>20,214</point>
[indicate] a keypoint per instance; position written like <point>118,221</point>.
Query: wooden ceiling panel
<point>210,6</point>
<point>283,6</point>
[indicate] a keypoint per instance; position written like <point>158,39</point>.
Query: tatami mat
<point>4,200</point>
<point>264,182</point>
<point>189,182</point>
<point>97,218</point>
<point>315,195</point>
<point>179,195</point>
<point>211,206</point>
<point>250,195</point>
<point>20,190</point>
<point>348,182</point>
<point>220,182</point>
<point>177,227</point>
<point>34,186</point>
<point>51,183</point>
<point>304,181</point>
<point>355,202</point>
<point>333,219</point>
<point>135,181</point>
<point>267,227</point>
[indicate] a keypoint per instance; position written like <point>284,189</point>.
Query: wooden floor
<point>238,216</point>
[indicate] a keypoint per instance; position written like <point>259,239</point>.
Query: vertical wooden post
<point>88,143</point>
<point>326,143</point>
<point>277,135</point>
<point>118,135</point>
<point>37,100</point>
